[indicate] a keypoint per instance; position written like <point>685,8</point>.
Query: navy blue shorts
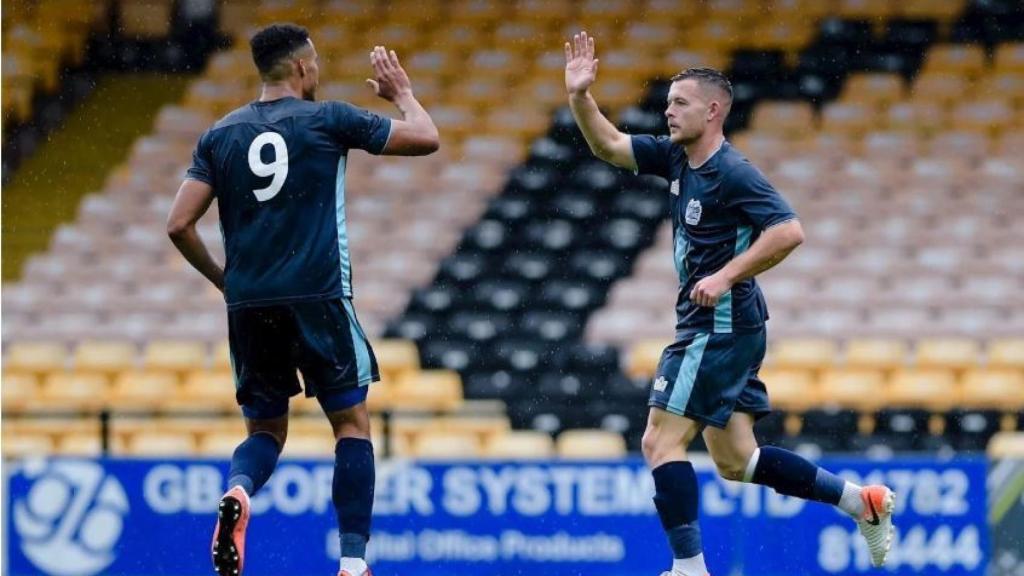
<point>322,340</point>
<point>706,377</point>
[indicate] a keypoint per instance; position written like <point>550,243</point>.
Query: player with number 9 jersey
<point>278,171</point>
<point>276,168</point>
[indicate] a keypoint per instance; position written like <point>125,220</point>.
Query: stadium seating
<point>39,40</point>
<point>899,320</point>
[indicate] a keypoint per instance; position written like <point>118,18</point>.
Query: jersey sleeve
<point>358,128</point>
<point>653,154</point>
<point>202,161</point>
<point>749,192</point>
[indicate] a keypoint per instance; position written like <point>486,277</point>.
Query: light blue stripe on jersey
<point>687,374</point>
<point>679,254</point>
<point>339,211</point>
<point>363,366</point>
<point>723,310</point>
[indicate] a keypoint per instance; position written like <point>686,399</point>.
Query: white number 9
<point>278,168</point>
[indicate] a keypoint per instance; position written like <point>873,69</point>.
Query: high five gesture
<point>580,64</point>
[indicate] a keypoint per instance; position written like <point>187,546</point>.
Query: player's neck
<point>278,90</point>
<point>698,152</point>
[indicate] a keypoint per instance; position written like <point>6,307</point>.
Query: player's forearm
<point>600,134</point>
<point>187,240</point>
<point>414,113</point>
<point>771,247</point>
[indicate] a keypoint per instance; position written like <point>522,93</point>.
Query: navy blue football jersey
<point>278,171</point>
<point>718,210</point>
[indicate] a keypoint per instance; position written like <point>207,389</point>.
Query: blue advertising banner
<point>70,517</point>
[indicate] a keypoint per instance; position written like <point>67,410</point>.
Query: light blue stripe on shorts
<point>363,367</point>
<point>687,374</point>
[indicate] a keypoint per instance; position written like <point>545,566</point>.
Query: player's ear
<point>301,66</point>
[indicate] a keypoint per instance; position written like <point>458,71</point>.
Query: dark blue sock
<point>253,462</point>
<point>792,475</point>
<point>675,497</point>
<point>353,494</point>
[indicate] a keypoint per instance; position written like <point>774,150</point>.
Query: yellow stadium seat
<point>944,88</point>
<point>431,390</point>
<point>17,389</point>
<point>517,124</point>
<point>154,444</point>
<point>721,35</point>
<point>148,20</point>
<point>520,445</point>
<point>966,60</point>
<point>381,395</point>
<point>808,353</point>
<point>985,116</point>
<point>786,35</point>
<point>586,444</point>
<point>218,444</point>
<point>999,389</point>
<point>478,13</point>
<point>873,89</point>
<point>865,9</point>
<point>440,445</point>
<point>644,357</point>
<point>74,444</point>
<point>944,12</point>
<point>791,389</point>
<point>1010,57</point>
<point>35,357</point>
<point>1008,445</point>
<point>143,390</point>
<point>954,353</point>
<point>222,357</point>
<point>877,353</point>
<point>847,118</point>
<point>396,356</point>
<point>308,445</point>
<point>105,357</point>
<point>175,356</point>
<point>211,387</point>
<point>933,389</point>
<point>853,388</point>
<point>74,391</point>
<point>483,426</point>
<point>788,119</point>
<point>1007,353</point>
<point>920,116</point>
<point>23,446</point>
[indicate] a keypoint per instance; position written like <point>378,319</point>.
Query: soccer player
<point>729,224</point>
<point>277,169</point>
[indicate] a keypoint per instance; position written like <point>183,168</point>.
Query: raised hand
<point>580,65</point>
<point>390,81</point>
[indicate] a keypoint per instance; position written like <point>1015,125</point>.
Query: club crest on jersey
<point>660,384</point>
<point>693,212</point>
<point>674,187</point>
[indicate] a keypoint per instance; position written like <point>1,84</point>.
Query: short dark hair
<point>275,42</point>
<point>706,77</point>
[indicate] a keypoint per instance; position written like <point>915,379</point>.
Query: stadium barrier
<point>131,517</point>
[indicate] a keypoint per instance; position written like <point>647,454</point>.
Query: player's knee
<point>656,445</point>
<point>730,469</point>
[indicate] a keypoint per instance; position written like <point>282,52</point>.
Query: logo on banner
<point>70,518</point>
<point>693,212</point>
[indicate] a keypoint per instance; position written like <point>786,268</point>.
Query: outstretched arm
<point>604,139</point>
<point>415,134</point>
<point>771,247</point>
<point>193,200</point>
